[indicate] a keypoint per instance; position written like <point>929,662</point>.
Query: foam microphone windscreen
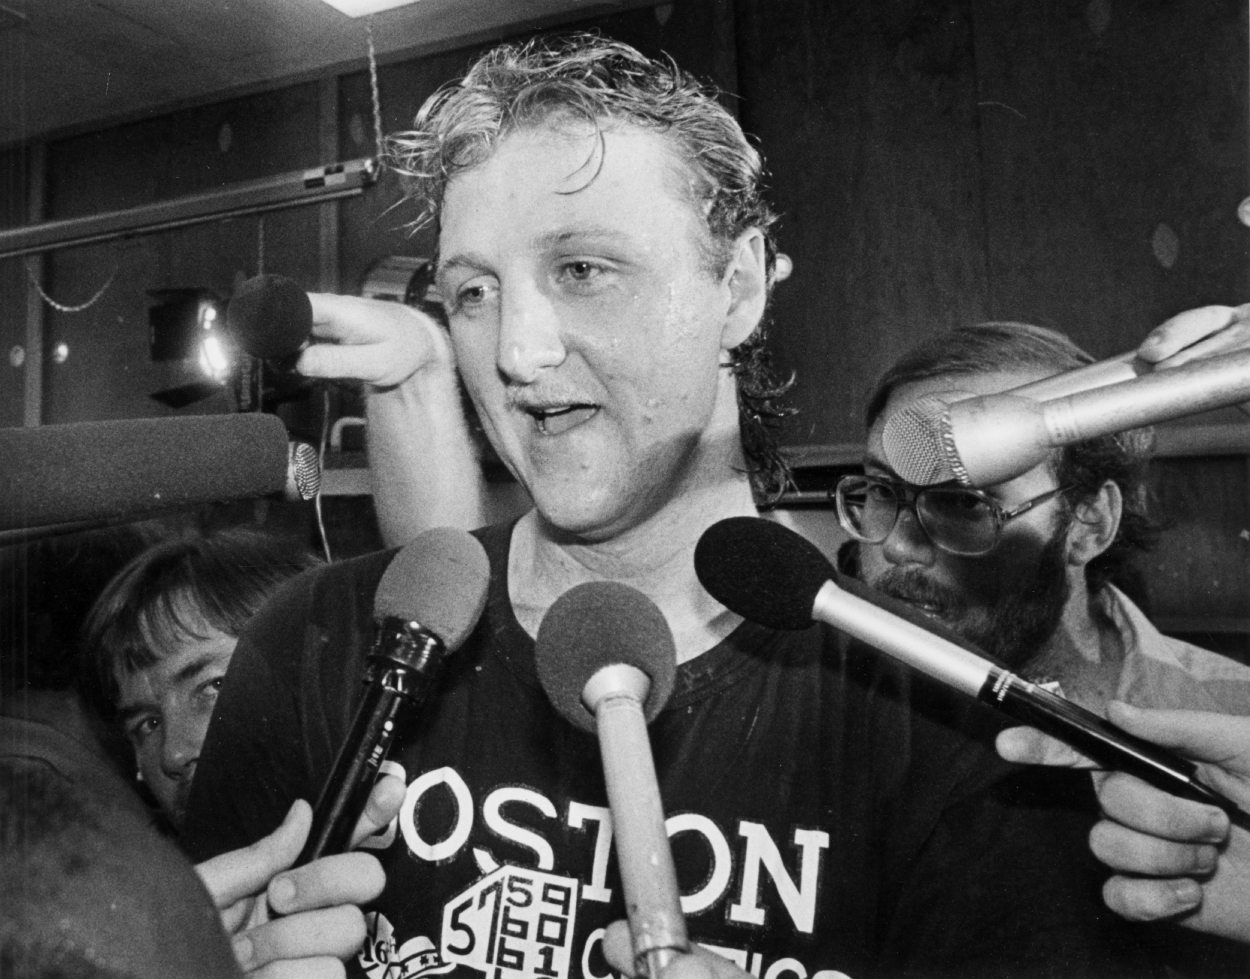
<point>769,574</point>
<point>762,571</point>
<point>598,624</point>
<point>269,316</point>
<point>116,469</point>
<point>440,580</point>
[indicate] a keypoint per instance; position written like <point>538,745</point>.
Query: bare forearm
<point>423,466</point>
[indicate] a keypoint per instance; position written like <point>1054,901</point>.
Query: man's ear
<point>747,282</point>
<point>1094,524</point>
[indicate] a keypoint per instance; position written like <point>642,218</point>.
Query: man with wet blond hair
<point>605,259</point>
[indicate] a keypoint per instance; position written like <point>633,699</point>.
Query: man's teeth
<point>557,420</point>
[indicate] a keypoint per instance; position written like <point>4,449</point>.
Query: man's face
<point>1008,601</point>
<point>587,324</point>
<point>165,709</point>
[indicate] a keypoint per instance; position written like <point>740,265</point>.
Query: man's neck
<point>1085,653</point>
<point>656,557</point>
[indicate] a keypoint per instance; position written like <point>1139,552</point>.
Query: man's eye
<point>472,296</point>
<point>142,728</point>
<point>581,271</point>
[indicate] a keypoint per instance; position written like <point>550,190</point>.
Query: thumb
<point>1029,746</point>
<point>240,873</point>
<point>1198,735</point>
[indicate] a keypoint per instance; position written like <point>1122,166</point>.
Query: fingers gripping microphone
<point>980,441</point>
<point>771,575</point>
<point>606,660</point>
<point>102,471</point>
<point>428,601</point>
<point>270,317</point>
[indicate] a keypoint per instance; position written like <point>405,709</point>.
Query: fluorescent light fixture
<point>293,189</point>
<point>362,8</point>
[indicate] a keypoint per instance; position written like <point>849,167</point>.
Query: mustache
<point>912,586</point>
<point>551,395</point>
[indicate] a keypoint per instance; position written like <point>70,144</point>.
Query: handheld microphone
<point>980,441</point>
<point>90,473</point>
<point>606,659</point>
<point>772,576</point>
<point>270,317</point>
<point>428,601</point>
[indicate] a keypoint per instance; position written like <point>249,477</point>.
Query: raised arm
<point>425,471</point>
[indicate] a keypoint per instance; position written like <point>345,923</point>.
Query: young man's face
<point>165,709</point>
<point>587,322</point>
<point>1008,601</point>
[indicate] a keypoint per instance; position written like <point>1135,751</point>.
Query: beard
<point>1014,624</point>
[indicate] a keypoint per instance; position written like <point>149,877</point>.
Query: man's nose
<point>908,542</point>
<point>184,737</point>
<point>529,334</point>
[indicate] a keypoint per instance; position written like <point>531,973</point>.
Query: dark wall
<point>1072,163</point>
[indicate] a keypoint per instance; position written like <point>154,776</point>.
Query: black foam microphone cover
<point>769,574</point>
<point>109,470</point>
<point>762,571</point>
<point>270,316</point>
<point>598,624</point>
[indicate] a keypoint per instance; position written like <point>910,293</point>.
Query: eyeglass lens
<point>956,519</point>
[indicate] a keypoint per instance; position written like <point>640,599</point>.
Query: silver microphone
<point>989,439</point>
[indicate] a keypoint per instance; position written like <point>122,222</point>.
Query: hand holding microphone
<point>771,575</point>
<point>994,438</point>
<point>1158,844</point>
<point>427,603</point>
<point>606,660</point>
<point>326,336</point>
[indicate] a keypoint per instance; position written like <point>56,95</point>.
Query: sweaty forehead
<point>562,170</point>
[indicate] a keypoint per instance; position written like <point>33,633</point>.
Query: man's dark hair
<point>601,82</point>
<point>1084,466</point>
<point>178,589</point>
<point>47,588</point>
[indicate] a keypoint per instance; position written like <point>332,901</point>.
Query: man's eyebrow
<point>588,233</point>
<point>877,463</point>
<point>468,260</point>
<point>198,665</point>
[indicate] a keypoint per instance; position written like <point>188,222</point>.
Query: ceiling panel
<point>70,65</point>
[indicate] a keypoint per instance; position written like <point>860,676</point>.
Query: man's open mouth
<point>556,420</point>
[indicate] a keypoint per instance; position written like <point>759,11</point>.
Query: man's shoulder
<point>1167,672</point>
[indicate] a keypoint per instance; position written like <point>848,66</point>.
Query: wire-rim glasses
<point>958,520</point>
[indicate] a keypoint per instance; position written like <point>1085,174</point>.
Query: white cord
<point>61,306</point>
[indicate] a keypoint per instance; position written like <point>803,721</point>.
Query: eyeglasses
<point>961,521</point>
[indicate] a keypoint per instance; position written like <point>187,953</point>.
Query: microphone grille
<point>917,443</point>
<point>304,472</point>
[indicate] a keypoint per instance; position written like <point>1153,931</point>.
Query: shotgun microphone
<point>92,473</point>
<point>426,605</point>
<point>772,576</point>
<point>606,659</point>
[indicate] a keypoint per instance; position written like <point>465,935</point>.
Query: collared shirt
<point>1160,671</point>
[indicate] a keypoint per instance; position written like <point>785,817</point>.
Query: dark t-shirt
<point>831,815</point>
